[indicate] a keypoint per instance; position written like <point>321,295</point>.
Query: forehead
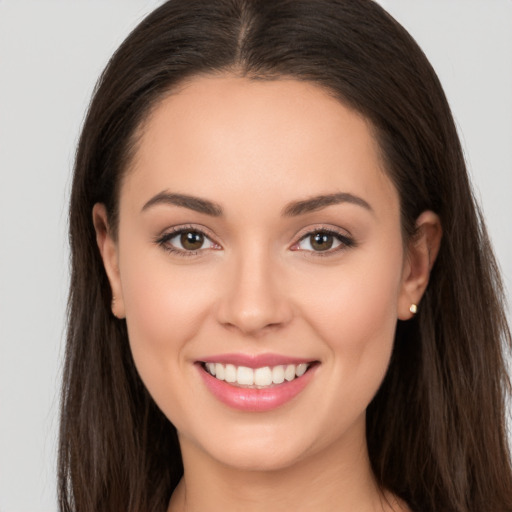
<point>221,136</point>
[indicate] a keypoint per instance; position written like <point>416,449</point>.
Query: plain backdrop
<point>51,53</point>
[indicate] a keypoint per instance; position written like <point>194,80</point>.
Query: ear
<point>109,255</point>
<point>421,254</point>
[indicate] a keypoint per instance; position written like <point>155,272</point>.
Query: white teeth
<point>278,374</point>
<point>301,369</point>
<point>263,376</point>
<point>258,377</point>
<point>230,373</point>
<point>245,376</point>
<point>289,373</point>
<point>219,371</point>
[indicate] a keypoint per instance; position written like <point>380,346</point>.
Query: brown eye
<point>191,240</point>
<point>321,241</point>
<point>186,242</point>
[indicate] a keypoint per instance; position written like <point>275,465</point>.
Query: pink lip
<point>254,361</point>
<point>256,400</point>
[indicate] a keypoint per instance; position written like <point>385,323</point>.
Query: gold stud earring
<point>413,308</point>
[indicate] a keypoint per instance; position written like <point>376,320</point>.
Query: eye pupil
<point>321,241</point>
<point>191,240</point>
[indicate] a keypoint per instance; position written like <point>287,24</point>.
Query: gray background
<point>51,53</point>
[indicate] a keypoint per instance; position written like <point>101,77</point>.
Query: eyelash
<point>345,242</point>
<point>163,240</point>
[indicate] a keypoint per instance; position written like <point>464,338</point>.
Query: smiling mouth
<point>256,378</point>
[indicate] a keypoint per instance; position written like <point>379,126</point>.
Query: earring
<point>413,308</point>
<point>113,305</point>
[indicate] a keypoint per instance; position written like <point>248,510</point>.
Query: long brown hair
<point>436,428</point>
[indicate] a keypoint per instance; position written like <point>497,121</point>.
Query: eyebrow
<point>185,201</point>
<point>318,202</point>
<point>293,209</point>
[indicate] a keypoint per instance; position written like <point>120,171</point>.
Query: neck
<point>337,479</point>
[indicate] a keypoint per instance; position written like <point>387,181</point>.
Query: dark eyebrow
<point>185,201</point>
<point>318,202</point>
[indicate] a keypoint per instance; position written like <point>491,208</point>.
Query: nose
<point>254,298</point>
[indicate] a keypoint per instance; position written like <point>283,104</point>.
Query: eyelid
<point>168,234</point>
<point>342,235</point>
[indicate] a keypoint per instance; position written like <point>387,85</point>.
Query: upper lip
<point>254,360</point>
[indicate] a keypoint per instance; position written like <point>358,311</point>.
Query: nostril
<point>254,318</point>
<point>253,299</point>
<point>252,328</point>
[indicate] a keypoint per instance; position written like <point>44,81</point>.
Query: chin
<point>259,459</point>
<point>260,448</point>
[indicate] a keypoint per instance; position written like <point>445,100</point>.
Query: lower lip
<point>252,399</point>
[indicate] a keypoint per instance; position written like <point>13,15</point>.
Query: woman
<point>282,295</point>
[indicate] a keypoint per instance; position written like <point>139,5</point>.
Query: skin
<point>253,148</point>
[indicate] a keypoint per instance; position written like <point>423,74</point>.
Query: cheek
<point>355,316</point>
<point>165,306</point>
<point>357,298</point>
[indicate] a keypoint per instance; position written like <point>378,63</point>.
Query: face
<point>259,239</point>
